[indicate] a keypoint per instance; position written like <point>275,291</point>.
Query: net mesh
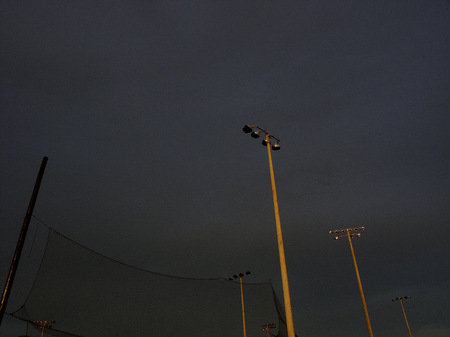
<point>90,295</point>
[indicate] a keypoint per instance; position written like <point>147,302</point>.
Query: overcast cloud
<point>140,107</point>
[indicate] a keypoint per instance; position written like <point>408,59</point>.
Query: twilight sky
<point>140,105</point>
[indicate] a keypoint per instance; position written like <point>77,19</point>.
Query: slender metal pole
<point>243,311</point>
<point>284,277</point>
<point>20,243</point>
<point>406,320</point>
<point>366,313</point>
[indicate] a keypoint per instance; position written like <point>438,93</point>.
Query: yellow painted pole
<point>406,320</point>
<point>243,311</point>
<point>284,277</point>
<point>366,313</point>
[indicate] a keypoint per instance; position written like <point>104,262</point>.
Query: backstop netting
<point>90,295</point>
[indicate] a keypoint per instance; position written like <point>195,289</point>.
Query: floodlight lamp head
<point>241,275</point>
<point>247,272</point>
<point>265,142</point>
<point>255,134</point>
<point>276,146</point>
<point>336,237</point>
<point>247,129</point>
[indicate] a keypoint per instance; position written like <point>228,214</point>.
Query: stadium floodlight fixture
<point>247,129</point>
<point>356,235</point>
<point>267,327</point>
<point>240,276</point>
<point>403,310</point>
<point>347,232</point>
<point>350,235</point>
<point>47,324</point>
<point>257,133</point>
<point>43,324</point>
<point>284,278</point>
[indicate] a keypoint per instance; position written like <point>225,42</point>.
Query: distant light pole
<point>350,236</point>
<point>267,327</point>
<point>403,309</point>
<point>284,277</point>
<point>240,276</point>
<point>43,325</point>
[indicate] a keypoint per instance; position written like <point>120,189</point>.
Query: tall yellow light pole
<point>350,236</point>
<point>403,309</point>
<point>240,276</point>
<point>284,277</point>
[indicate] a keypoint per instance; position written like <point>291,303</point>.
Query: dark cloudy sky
<point>139,106</point>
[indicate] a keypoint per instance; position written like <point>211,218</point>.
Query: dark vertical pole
<point>20,242</point>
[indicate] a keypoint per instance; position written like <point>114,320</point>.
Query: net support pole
<point>20,242</point>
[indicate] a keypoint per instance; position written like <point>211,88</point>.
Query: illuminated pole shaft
<point>243,311</point>
<point>406,320</point>
<point>284,277</point>
<point>366,313</point>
